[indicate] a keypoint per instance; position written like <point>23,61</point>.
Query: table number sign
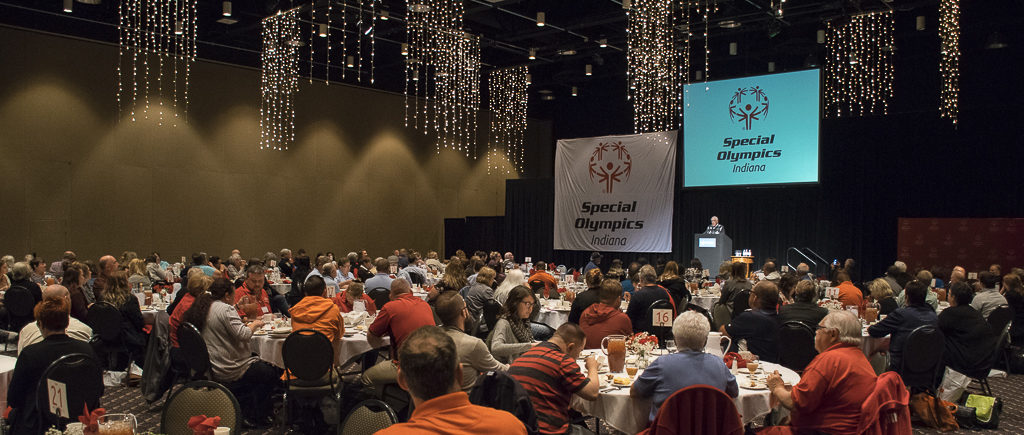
<point>662,317</point>
<point>58,397</point>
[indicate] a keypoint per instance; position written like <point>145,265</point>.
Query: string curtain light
<point>343,29</point>
<point>859,68</point>
<point>949,63</point>
<point>442,73</point>
<point>279,79</point>
<point>653,66</point>
<point>156,49</point>
<point>507,90</point>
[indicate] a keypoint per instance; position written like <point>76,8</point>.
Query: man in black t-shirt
<point>759,325</point>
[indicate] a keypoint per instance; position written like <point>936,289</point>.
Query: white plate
<point>747,371</point>
<point>281,331</point>
<point>746,386</point>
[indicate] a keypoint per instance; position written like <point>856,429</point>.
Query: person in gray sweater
<point>252,380</point>
<point>473,353</point>
<point>512,334</point>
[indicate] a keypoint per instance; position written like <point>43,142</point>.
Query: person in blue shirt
<point>690,366</point>
<point>595,261</point>
<point>627,284</point>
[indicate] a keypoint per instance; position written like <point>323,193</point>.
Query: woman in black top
<point>675,284</point>
<point>882,293</point>
<point>118,293</point>
<point>1014,293</point>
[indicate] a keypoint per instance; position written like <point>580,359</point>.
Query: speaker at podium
<point>712,249</point>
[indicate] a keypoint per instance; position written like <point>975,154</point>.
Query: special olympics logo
<point>755,108</point>
<point>609,164</point>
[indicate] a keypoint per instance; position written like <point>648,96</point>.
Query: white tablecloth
<point>281,288</point>
<point>270,347</point>
<point>630,415</point>
<point>704,301</point>
<point>6,371</point>
<point>553,318</point>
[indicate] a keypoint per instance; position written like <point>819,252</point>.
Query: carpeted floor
<point>1011,390</point>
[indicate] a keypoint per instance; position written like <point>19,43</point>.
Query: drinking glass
<point>670,345</point>
<point>631,370</point>
<point>117,424</point>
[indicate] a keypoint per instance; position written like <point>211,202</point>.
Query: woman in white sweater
<point>512,335</point>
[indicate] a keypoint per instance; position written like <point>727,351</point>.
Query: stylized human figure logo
<point>755,108</point>
<point>609,164</point>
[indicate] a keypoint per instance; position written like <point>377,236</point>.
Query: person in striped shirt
<point>550,375</point>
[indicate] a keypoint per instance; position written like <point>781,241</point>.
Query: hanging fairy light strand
<point>949,64</point>
<point>279,80</point>
<point>858,68</point>
<point>336,44</point>
<point>156,42</point>
<point>442,71</point>
<point>653,65</point>
<point>507,103</point>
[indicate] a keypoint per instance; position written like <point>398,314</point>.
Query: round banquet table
<point>630,415</point>
<point>553,318</point>
<point>6,372</point>
<point>281,288</point>
<point>270,347</point>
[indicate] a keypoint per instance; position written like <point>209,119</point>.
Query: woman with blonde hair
<point>882,294</point>
<point>118,293</point>
<point>138,276</point>
<point>675,284</point>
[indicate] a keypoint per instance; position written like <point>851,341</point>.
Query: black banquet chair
<point>367,418</point>
<point>108,340</point>
<point>921,366</point>
<point>796,345</point>
<point>82,377</point>
<point>662,332</point>
<point>19,303</point>
<point>193,348</point>
<point>380,296</point>
<point>490,311</point>
<point>309,358</point>
<point>200,398</point>
<point>541,331</point>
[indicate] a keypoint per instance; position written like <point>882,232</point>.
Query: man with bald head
<point>108,265</point>
<point>31,334</point>
<point>404,313</point>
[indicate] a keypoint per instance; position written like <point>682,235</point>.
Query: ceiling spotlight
<point>540,19</point>
<point>588,70</point>
<point>729,24</point>
<point>179,27</point>
<point>350,61</point>
<point>533,53</point>
<point>602,42</point>
<point>853,59</point>
<point>700,75</point>
<point>771,66</point>
<point>919,23</point>
<point>574,93</point>
<point>384,15</point>
<point>548,97</point>
<point>821,36</point>
<point>733,47</point>
<point>405,49</point>
<point>567,52</point>
<point>529,78</point>
<point>626,4</point>
<point>68,5</point>
<point>225,9</point>
<point>994,42</point>
<point>323,30</point>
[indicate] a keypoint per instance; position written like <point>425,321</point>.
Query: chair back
<point>796,345</point>
<point>308,354</point>
<point>697,409</point>
<point>1000,318</point>
<point>662,332</point>
<point>19,303</point>
<point>886,410</point>
<point>105,321</point>
<point>922,357</point>
<point>541,331</point>
<point>702,310</point>
<point>200,398</point>
<point>193,348</point>
<point>491,310</point>
<point>380,296</point>
<point>498,390</point>
<point>82,377</point>
<point>367,418</point>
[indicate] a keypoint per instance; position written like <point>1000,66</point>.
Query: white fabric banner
<point>615,193</point>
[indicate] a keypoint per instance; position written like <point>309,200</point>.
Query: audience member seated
<point>253,291</point>
<point>52,316</point>
<point>834,385</point>
<point>479,291</point>
<point>31,334</point>
<point>676,285</point>
<point>513,278</point>
<point>38,267</point>
<point>454,278</point>
<point>138,277</point>
<point>787,284</point>
<point>512,334</point>
<point>72,279</point>
<point>628,284</point>
<point>647,293</point>
<point>587,297</point>
<point>156,272</point>
<point>198,284</point>
<point>882,294</point>
<point>890,278</point>
<point>849,294</point>
<point>233,364</point>
<point>382,279</point>
<point>472,352</point>
<point>346,300</point>
<point>542,276</point>
<point>398,318</point>
<point>21,274</point>
<point>931,298</point>
<point>316,312</point>
<point>759,325</point>
<point>902,321</point>
<point>551,376</point>
<point>970,343</point>
<point>430,373</point>
<point>595,262</point>
<point>604,318</point>
<point>803,271</point>
<point>689,366</point>
<point>988,298</point>
<point>119,294</point>
<point>804,307</point>
<point>735,293</point>
<point>1013,291</point>
<point>5,281</point>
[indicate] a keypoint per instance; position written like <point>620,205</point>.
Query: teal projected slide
<point>752,130</point>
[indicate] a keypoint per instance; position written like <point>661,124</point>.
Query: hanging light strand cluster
<point>949,63</point>
<point>156,49</point>
<point>858,68</point>
<point>343,43</point>
<point>442,74</point>
<point>508,102</point>
<point>279,79</point>
<point>653,66</point>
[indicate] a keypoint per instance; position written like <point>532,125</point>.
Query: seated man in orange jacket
<point>318,313</point>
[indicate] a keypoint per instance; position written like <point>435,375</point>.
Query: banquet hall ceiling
<point>568,42</point>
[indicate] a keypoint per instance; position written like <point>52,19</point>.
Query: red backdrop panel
<point>971,243</point>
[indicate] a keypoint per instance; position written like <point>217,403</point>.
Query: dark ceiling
<point>508,30</point>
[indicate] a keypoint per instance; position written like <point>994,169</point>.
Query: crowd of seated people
<point>227,302</point>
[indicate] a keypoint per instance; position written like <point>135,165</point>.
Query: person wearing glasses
<point>512,334</point>
<point>834,385</point>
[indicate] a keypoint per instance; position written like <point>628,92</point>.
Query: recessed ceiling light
<point>729,24</point>
<point>567,52</point>
<point>548,97</point>
<point>227,20</point>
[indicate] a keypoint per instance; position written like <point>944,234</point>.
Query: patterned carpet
<point>1011,390</point>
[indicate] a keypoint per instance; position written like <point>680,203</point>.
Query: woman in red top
<point>198,284</point>
<point>345,300</point>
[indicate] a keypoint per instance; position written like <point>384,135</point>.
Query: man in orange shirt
<point>318,313</point>
<point>849,294</point>
<point>429,370</point>
<point>540,274</point>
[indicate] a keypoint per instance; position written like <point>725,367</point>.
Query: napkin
<point>91,419</point>
<point>203,425</point>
